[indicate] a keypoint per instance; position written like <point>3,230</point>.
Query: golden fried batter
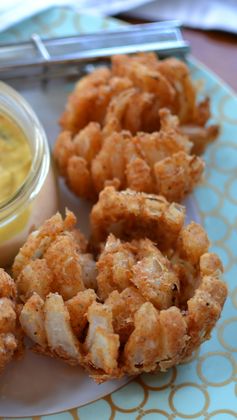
<point>177,175</point>
<point>10,333</point>
<point>77,308</point>
<point>200,136</point>
<point>90,99</point>
<point>32,320</point>
<point>101,344</point>
<point>54,259</point>
<point>192,242</point>
<point>157,341</point>
<point>117,129</point>
<point>158,162</point>
<point>154,276</point>
<point>134,90</point>
<point>169,82</point>
<point>35,277</point>
<point>158,326</point>
<point>155,292</point>
<point>124,305</point>
<point>114,267</point>
<point>141,264</point>
<point>128,215</point>
<point>156,302</point>
<point>39,240</point>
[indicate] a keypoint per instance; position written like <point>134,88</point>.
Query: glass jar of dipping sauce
<point>28,190</point>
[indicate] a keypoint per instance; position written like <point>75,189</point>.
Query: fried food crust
<point>11,344</point>
<point>121,125</point>
<point>159,290</point>
<point>129,215</point>
<point>54,259</point>
<point>158,162</point>
<point>39,240</point>
<point>114,267</point>
<point>77,308</point>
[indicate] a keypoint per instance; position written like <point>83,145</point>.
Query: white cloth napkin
<point>14,11</point>
<point>204,14</point>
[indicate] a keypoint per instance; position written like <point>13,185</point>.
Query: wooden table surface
<point>217,50</point>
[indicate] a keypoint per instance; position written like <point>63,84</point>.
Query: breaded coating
<point>7,315</point>
<point>52,267</point>
<point>158,291</point>
<point>77,308</point>
<point>168,80</point>
<point>47,322</point>
<point>192,242</point>
<point>190,259</point>
<point>90,99</point>
<point>8,346</point>
<point>188,276</point>
<point>210,264</point>
<point>62,260</point>
<point>88,102</point>
<point>60,336</point>
<point>169,305</point>
<point>55,259</point>
<point>157,341</point>
<point>74,157</point>
<point>200,137</point>
<point>132,110</point>
<point>39,240</point>
<point>161,144</point>
<point>117,129</point>
<point>79,177</point>
<point>114,267</point>
<point>139,177</point>
<point>64,149</point>
<point>177,74</point>
<point>142,347</point>
<point>10,333</point>
<point>177,175</point>
<point>138,95</point>
<point>88,142</point>
<point>7,286</point>
<point>204,310</point>
<point>35,277</point>
<point>144,76</point>
<point>174,335</point>
<point>129,215</point>
<point>154,276</point>
<point>124,305</point>
<point>88,270</point>
<point>109,164</point>
<point>78,237</point>
<point>32,320</point>
<point>158,162</point>
<point>101,343</point>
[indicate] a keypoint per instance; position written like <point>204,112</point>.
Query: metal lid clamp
<point>68,56</point>
<point>39,45</point>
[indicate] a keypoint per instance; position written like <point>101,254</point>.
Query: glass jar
<point>37,198</point>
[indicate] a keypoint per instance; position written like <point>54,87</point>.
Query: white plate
<point>39,385</point>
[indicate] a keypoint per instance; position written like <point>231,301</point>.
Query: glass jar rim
<point>40,156</point>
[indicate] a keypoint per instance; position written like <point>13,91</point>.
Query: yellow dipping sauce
<point>15,158</point>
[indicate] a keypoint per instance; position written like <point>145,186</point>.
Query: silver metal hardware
<point>67,56</point>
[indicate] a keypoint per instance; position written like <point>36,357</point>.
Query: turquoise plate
<point>206,386</point>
